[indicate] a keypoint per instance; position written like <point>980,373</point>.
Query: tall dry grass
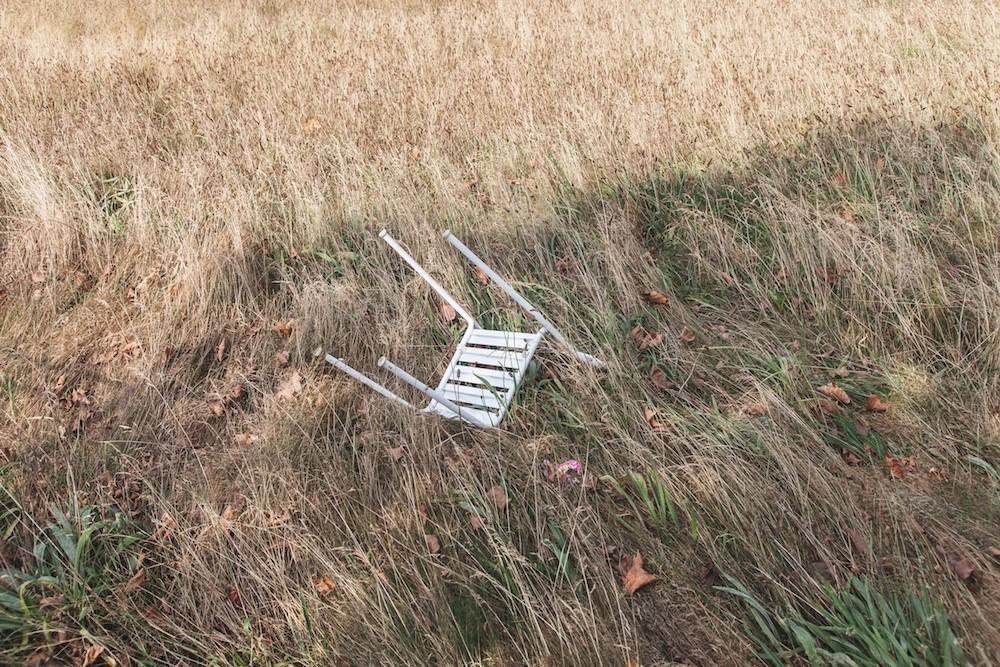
<point>815,185</point>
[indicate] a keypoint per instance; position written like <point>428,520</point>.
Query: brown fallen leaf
<point>859,542</point>
<point>829,407</point>
<point>448,313</point>
<point>899,468</point>
<point>994,554</point>
<point>962,567</point>
<point>565,266</point>
<point>839,178</point>
<point>498,497</point>
<point>656,298</point>
<point>660,380</point>
<point>480,276</point>
<point>281,358</point>
<point>165,529</point>
<point>649,414</point>
<point>755,409</point>
<point>876,404</point>
<point>244,439</point>
<point>636,577</point>
<point>687,336</point>
<point>433,543</point>
<point>220,351</point>
<point>476,522</point>
<point>644,339</point>
<point>90,655</point>
<point>135,582</point>
<point>324,584</point>
<point>880,164</point>
<point>216,407</point>
<point>834,392</point>
<point>284,328</point>
<point>59,385</point>
<point>395,453</point>
<point>311,125</point>
<point>288,389</point>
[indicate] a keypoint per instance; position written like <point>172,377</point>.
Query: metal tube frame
<point>520,300</point>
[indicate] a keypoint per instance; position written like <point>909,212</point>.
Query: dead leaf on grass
<point>899,468</point>
<point>448,313</point>
<point>660,380</point>
<point>324,584</point>
<point>90,655</point>
<point>480,276</point>
<point>282,358</point>
<point>876,404</point>
<point>311,125</point>
<point>498,497</point>
<point>636,577</point>
<point>216,407</point>
<point>755,409</point>
<point>135,582</point>
<point>165,529</point>
<point>433,543</point>
<point>832,391</point>
<point>395,453</point>
<point>645,340</point>
<point>288,389</point>
<point>687,336</point>
<point>962,567</point>
<point>220,351</point>
<point>656,298</point>
<point>649,414</point>
<point>284,328</point>
<point>244,439</point>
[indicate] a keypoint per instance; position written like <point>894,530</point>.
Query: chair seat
<point>485,372</point>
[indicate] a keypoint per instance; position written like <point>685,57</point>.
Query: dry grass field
<point>190,195</point>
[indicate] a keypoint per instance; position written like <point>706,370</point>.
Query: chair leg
<point>464,413</point>
<point>367,381</point>
<point>518,299</point>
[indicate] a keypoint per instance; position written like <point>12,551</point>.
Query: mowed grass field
<point>798,440</point>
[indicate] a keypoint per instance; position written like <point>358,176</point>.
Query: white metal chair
<point>488,365</point>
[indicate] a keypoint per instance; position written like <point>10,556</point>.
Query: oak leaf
<point>636,577</point>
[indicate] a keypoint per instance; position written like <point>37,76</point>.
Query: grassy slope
<point>814,187</point>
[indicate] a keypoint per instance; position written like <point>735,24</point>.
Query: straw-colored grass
<point>815,186</point>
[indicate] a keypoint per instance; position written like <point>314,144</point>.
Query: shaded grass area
<point>864,257</point>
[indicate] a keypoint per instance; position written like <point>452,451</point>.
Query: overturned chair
<point>488,366</point>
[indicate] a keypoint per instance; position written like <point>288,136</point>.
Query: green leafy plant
<point>649,498</point>
<point>77,561</point>
<point>858,626</point>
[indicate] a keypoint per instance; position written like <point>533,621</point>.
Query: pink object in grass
<point>568,470</point>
